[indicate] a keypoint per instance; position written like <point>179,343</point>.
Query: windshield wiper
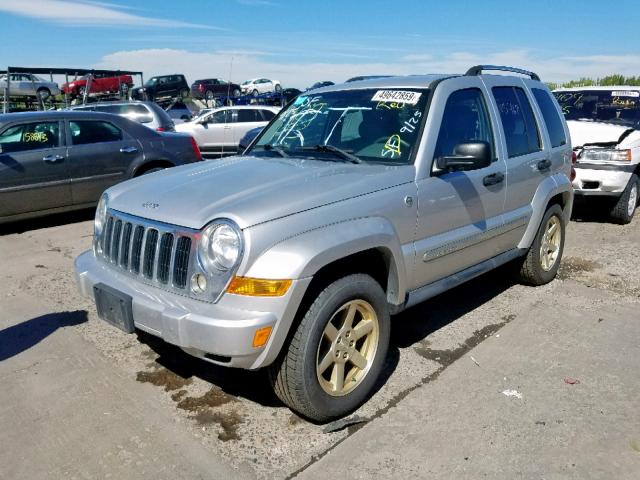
<point>272,148</point>
<point>343,154</point>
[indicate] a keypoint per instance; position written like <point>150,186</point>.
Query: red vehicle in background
<point>101,83</point>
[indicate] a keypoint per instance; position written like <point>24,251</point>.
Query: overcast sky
<point>301,42</point>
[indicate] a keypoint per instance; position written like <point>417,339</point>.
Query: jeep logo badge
<point>150,205</point>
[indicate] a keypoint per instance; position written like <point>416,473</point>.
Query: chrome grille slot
<point>150,252</point>
<point>164,257</point>
<point>181,265</point>
<point>136,249</point>
<point>155,253</point>
<point>126,245</point>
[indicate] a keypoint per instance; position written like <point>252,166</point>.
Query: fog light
<point>198,283</point>
<point>258,287</point>
<point>261,336</point>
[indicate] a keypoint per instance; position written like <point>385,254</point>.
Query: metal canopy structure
<point>75,72</point>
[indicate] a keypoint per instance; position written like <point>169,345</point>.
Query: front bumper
<point>221,333</point>
<point>601,182</point>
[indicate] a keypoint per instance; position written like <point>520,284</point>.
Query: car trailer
<point>75,72</point>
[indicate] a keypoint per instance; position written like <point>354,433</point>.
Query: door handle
<point>128,150</point>
<point>227,128</point>
<point>543,164</point>
<point>52,158</point>
<point>493,179</point>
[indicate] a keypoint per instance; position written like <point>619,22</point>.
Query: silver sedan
<point>28,85</point>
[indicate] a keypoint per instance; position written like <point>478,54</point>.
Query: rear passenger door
<point>34,171</point>
<point>459,213</point>
<point>527,161</point>
<point>100,154</point>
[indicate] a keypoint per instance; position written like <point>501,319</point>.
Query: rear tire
<point>236,93</point>
<point>337,352</point>
<point>184,93</point>
<point>208,95</point>
<point>541,263</point>
<point>43,93</point>
<point>625,207</point>
<point>278,88</point>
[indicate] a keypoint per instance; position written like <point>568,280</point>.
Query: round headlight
<point>220,246</point>
<point>101,215</point>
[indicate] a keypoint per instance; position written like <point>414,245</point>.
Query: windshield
<point>611,106</point>
<point>374,125</point>
<point>151,81</point>
<point>247,82</point>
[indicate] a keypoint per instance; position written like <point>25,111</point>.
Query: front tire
<point>337,351</point>
<point>542,261</point>
<point>184,93</point>
<point>625,207</point>
<point>254,93</point>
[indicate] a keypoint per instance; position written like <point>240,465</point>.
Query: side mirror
<point>466,156</point>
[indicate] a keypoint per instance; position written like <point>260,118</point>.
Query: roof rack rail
<point>479,68</point>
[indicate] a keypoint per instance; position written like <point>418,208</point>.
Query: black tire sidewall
<point>619,212</point>
<point>547,276</point>
<point>353,287</point>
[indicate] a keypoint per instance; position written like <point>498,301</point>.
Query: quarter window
<point>30,136</point>
<point>90,131</point>
<point>248,116</point>
<point>551,117</point>
<point>518,121</point>
<point>465,119</point>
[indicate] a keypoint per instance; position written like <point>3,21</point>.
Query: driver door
<point>460,212</point>
<point>215,133</point>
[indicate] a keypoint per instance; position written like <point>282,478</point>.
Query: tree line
<point>607,81</point>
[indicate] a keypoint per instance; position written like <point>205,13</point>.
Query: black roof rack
<point>479,68</point>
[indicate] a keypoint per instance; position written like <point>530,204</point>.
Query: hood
<point>248,190</point>
<point>583,132</point>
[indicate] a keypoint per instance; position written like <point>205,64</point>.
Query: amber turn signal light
<point>261,336</point>
<point>258,287</point>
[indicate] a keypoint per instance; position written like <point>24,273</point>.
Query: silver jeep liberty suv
<point>357,201</point>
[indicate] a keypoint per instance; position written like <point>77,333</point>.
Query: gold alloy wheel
<point>550,246</point>
<point>347,347</point>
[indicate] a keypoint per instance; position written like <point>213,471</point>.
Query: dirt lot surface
<point>232,413</point>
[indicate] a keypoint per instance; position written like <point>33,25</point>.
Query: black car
<point>165,86</point>
<point>289,94</point>
<point>326,83</point>
<point>63,160</point>
<point>365,77</point>
<point>210,88</point>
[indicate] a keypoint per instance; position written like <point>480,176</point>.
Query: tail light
<point>161,129</point>
<point>196,150</point>
<point>574,160</point>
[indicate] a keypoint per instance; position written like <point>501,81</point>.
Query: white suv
<point>219,131</point>
<point>256,86</point>
<point>605,131</point>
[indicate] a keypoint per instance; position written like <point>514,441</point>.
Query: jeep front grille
<point>154,252</point>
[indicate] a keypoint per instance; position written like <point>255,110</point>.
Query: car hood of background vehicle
<point>595,132</point>
<point>248,190</point>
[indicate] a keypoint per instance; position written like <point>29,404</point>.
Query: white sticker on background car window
<point>625,93</point>
<point>400,96</point>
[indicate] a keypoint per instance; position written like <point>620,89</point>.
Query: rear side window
<point>518,121</point>
<point>90,131</point>
<point>267,114</point>
<point>465,119</point>
<point>551,117</point>
<point>30,136</point>
<point>248,116</point>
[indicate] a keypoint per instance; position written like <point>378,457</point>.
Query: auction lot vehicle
<point>27,85</point>
<point>605,130</point>
<point>98,83</point>
<point>356,202</point>
<point>210,88</point>
<point>165,86</point>
<point>58,161</point>
<point>218,132</point>
<point>256,86</point>
<point>148,114</point>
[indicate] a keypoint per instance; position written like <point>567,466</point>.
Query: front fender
<point>553,185</point>
<point>302,255</point>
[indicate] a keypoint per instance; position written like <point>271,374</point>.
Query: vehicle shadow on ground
<point>52,220</point>
<point>18,338</point>
<point>591,212</point>
<point>408,328</point>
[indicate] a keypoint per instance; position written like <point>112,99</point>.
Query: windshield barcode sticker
<point>625,93</point>
<point>399,96</point>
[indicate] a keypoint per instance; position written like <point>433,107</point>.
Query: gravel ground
<point>234,413</point>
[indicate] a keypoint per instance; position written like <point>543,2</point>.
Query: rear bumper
<point>602,182</point>
<point>221,333</point>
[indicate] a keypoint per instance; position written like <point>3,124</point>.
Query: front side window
<point>91,131</point>
<point>374,125</point>
<point>465,119</point>
<point>551,117</point>
<point>221,116</point>
<point>620,107</point>
<point>30,136</point>
<point>518,121</point>
<point>267,115</point>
